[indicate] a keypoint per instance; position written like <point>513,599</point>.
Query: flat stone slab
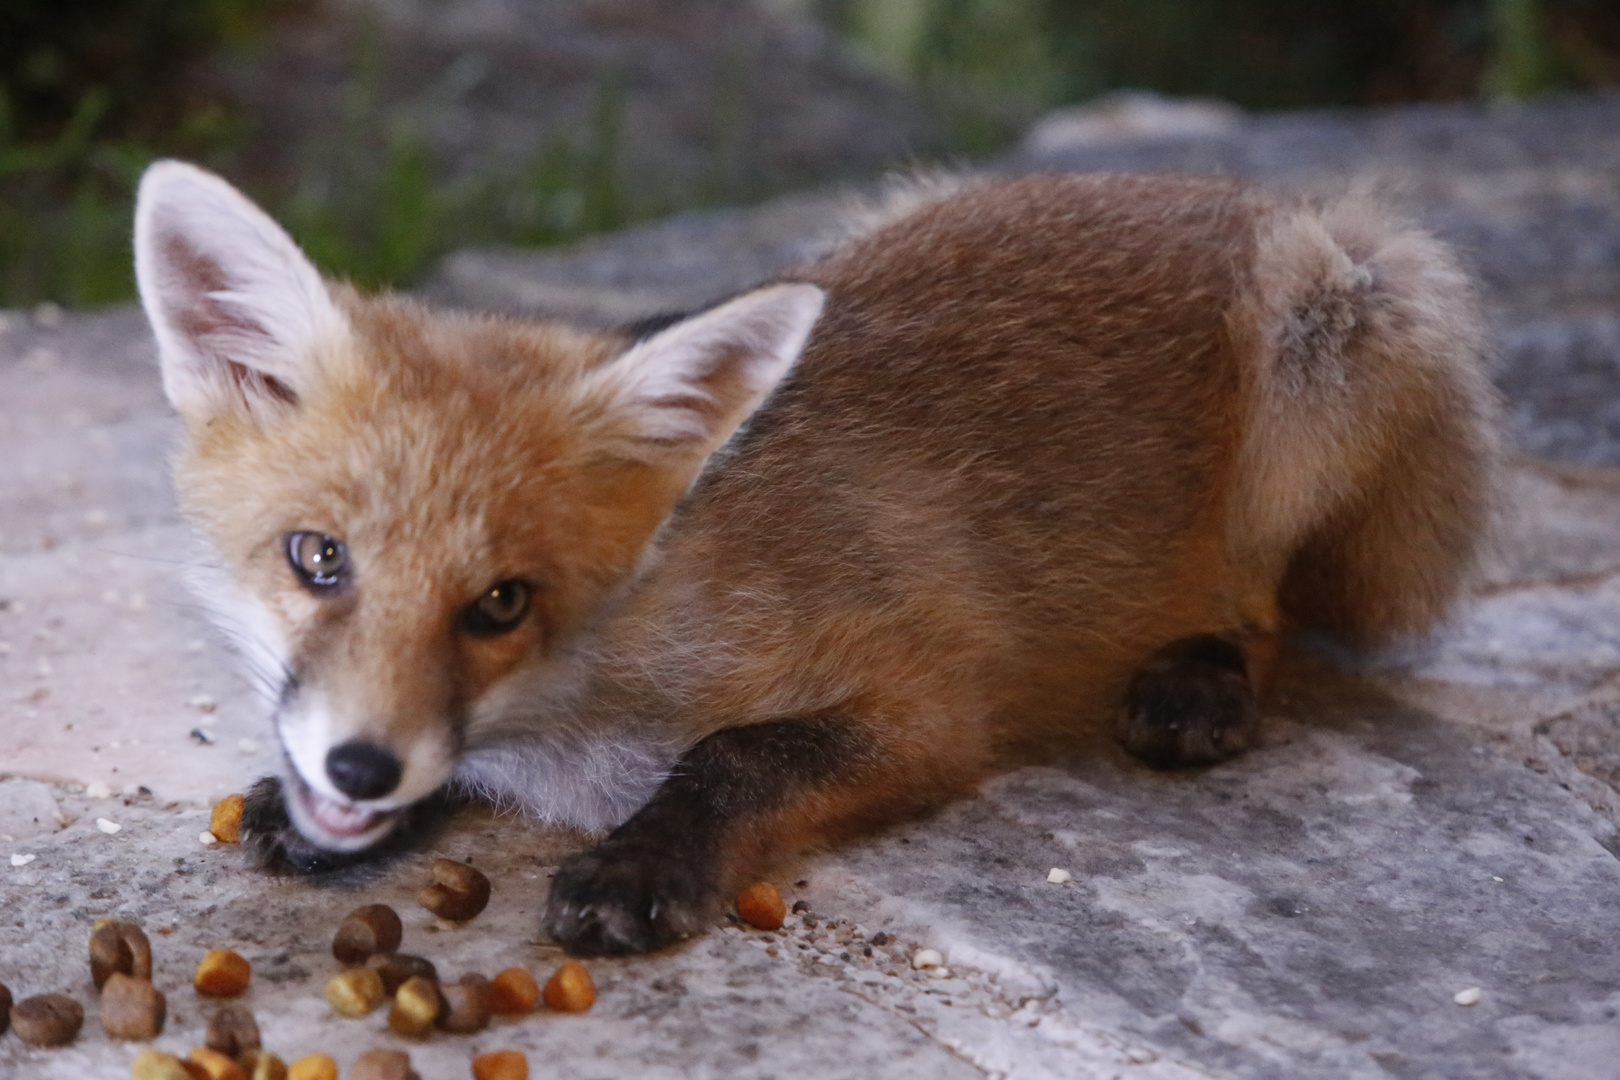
<point>1437,819</point>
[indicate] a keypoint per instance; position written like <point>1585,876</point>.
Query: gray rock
<point>27,809</point>
<point>670,102</point>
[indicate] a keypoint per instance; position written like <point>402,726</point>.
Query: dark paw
<point>616,899</point>
<point>273,843</point>
<point>1191,705</point>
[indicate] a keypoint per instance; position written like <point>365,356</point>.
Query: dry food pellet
<point>215,1065</point>
<point>156,1065</point>
<point>262,1065</point>
<point>47,1019</point>
<point>464,1005</point>
<point>501,1065</point>
<point>119,947</point>
<point>382,1065</point>
<point>222,973</point>
<point>513,991</point>
<point>132,1008</point>
<point>365,932</point>
<point>313,1067</point>
<point>570,988</point>
<point>226,820</point>
<point>232,1031</point>
<point>5,1008</point>
<point>398,967</point>
<point>761,906</point>
<point>416,1006</point>
<point>355,992</point>
<point>458,891</point>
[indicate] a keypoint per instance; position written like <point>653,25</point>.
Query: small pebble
<point>47,1020</point>
<point>570,988</point>
<point>313,1067</point>
<point>927,958</point>
<point>382,1065</point>
<point>1058,876</point>
<point>22,860</point>
<point>1469,996</point>
<point>98,790</point>
<point>207,839</point>
<point>108,827</point>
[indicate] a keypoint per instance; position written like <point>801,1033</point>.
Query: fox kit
<point>1018,461</point>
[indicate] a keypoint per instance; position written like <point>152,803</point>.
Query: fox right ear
<point>235,306</point>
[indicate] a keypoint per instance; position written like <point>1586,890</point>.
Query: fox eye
<point>318,560</point>
<point>500,609</point>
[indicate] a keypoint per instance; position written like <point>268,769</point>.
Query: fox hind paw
<point>1192,704</point>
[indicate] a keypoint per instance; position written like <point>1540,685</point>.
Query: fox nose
<point>363,770</point>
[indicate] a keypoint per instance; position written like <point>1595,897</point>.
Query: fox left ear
<point>236,308</point>
<point>677,396</point>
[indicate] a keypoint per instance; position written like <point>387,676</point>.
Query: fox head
<point>412,513</point>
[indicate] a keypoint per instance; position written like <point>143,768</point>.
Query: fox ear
<point>235,306</point>
<point>680,394</point>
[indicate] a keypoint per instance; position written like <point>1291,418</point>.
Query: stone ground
<point>1436,819</point>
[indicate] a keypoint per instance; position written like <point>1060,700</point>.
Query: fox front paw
<point>617,899</point>
<point>270,839</point>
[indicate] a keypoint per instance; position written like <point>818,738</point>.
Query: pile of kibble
<point>375,972</point>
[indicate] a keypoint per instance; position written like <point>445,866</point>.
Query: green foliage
<point>92,90</point>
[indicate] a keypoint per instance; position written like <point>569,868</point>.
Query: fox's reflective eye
<point>318,560</point>
<point>503,605</point>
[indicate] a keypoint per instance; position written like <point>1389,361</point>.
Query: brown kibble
<point>570,988</point>
<point>365,932</point>
<point>222,973</point>
<point>398,967</point>
<point>156,1065</point>
<point>215,1065</point>
<point>513,991</point>
<point>761,906</point>
<point>313,1067</point>
<point>5,1008</point>
<point>501,1065</point>
<point>262,1065</point>
<point>355,992</point>
<point>119,947</point>
<point>232,1031</point>
<point>416,1006</point>
<point>458,891</point>
<point>382,1065</point>
<point>464,1005</point>
<point>226,820</point>
<point>47,1020</point>
<point>132,1008</point>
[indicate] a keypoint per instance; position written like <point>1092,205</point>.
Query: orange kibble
<point>761,906</point>
<point>513,991</point>
<point>222,973</point>
<point>570,988</point>
<point>215,1064</point>
<point>501,1065</point>
<point>313,1067</point>
<point>226,820</point>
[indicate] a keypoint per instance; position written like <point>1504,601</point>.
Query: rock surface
<point>1438,819</point>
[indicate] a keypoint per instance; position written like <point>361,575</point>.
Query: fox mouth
<point>334,825</point>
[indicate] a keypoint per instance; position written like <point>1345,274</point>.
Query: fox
<point>1017,463</point>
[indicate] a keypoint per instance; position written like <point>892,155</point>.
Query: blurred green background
<point>91,90</point>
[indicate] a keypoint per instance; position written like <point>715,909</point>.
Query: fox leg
<point>732,801</point>
<point>1195,701</point>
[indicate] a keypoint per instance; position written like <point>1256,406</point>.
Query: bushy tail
<point>1378,373</point>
